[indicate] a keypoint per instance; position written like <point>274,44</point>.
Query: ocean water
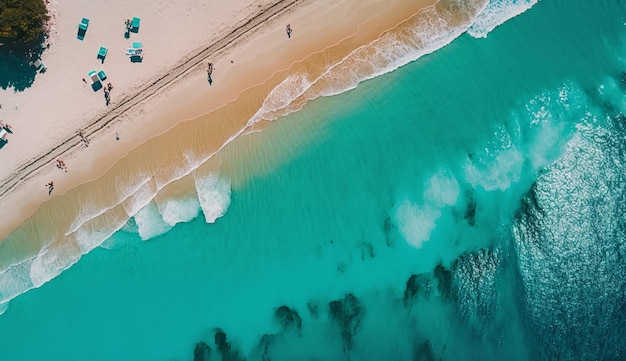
<point>466,206</point>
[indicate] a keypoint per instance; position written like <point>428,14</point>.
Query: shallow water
<point>467,206</point>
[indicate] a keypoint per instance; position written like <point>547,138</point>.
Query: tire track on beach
<point>24,171</point>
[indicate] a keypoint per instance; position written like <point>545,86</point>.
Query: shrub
<point>22,24</point>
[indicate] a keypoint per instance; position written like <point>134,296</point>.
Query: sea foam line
<point>431,37</point>
<point>433,41</point>
<point>497,13</point>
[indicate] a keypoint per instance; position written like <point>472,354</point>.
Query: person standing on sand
<point>289,31</point>
<point>209,72</point>
<point>50,187</point>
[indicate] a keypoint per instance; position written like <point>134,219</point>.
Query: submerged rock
<point>444,281</point>
<point>367,251</point>
<point>388,227</point>
<point>264,345</point>
<point>347,313</point>
<point>470,211</point>
<point>417,286</point>
<point>424,352</point>
<point>288,318</point>
<point>313,307</point>
<point>476,292</point>
<point>224,347</point>
<point>201,352</point>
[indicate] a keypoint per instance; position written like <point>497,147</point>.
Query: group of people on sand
<point>61,165</point>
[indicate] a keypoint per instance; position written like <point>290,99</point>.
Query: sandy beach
<point>247,43</point>
<point>155,149</point>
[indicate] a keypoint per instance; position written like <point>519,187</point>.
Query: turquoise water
<point>468,206</point>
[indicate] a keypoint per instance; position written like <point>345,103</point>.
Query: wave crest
<point>134,191</point>
<point>497,13</point>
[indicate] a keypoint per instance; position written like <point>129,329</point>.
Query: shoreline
<point>234,42</point>
<point>24,171</point>
<point>169,152</point>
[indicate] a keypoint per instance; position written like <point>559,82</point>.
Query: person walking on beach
<point>209,72</point>
<point>50,187</point>
<point>289,31</point>
<point>83,138</point>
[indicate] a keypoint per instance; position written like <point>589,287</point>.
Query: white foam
<point>497,13</point>
<point>497,174</point>
<point>141,198</point>
<point>15,280</point>
<point>52,260</point>
<point>3,308</point>
<point>379,57</point>
<point>283,94</point>
<point>179,210</point>
<point>416,223</point>
<point>88,239</point>
<point>387,53</point>
<point>214,196</point>
<point>89,210</point>
<point>150,223</point>
<point>443,189</point>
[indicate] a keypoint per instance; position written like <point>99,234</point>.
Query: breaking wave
<point>497,13</point>
<point>136,191</point>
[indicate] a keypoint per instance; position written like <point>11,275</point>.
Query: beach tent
<point>102,53</point>
<point>95,81</point>
<point>102,75</point>
<point>82,28</point>
<point>134,25</point>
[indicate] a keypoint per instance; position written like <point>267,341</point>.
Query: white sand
<point>59,103</point>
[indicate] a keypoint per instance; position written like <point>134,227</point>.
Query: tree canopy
<point>22,23</point>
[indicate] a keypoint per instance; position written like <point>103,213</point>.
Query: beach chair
<point>102,75</point>
<point>82,28</point>
<point>95,80</point>
<point>134,25</point>
<point>102,53</point>
<point>136,52</point>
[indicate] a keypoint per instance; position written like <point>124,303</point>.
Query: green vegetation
<point>22,24</point>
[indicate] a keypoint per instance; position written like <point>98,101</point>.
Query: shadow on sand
<point>17,70</point>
